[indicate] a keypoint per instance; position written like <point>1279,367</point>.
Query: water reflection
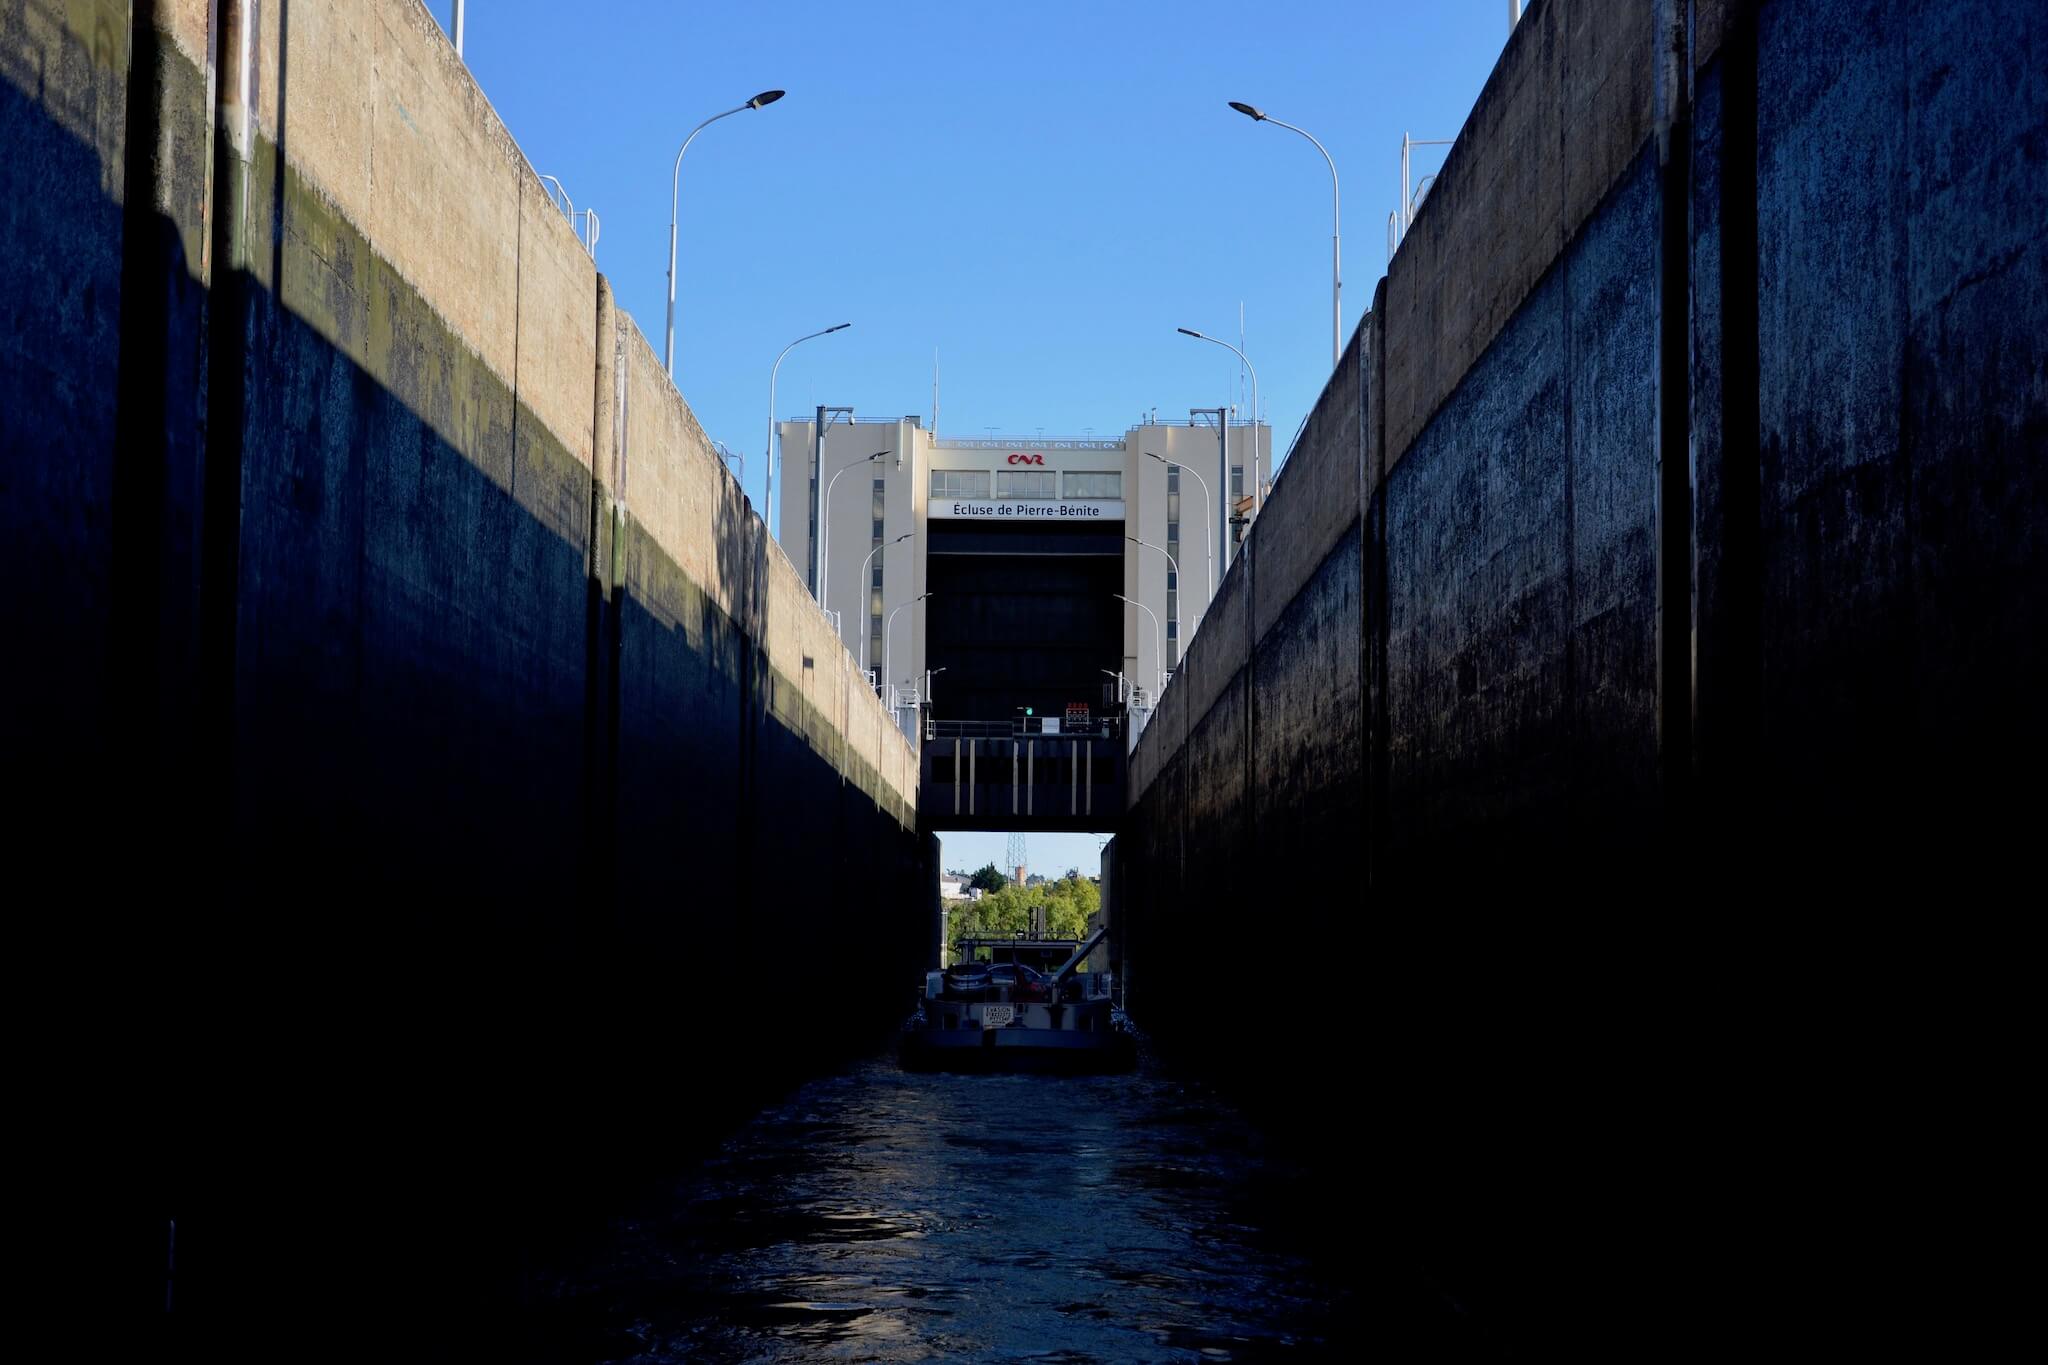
<point>881,1215</point>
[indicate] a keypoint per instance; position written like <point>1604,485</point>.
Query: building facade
<point>986,575</point>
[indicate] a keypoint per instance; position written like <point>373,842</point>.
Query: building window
<point>1090,484</point>
<point>1027,483</point>
<point>960,483</point>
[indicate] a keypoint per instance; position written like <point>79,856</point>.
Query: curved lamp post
<point>1158,643</point>
<point>871,559</point>
<point>1258,115</point>
<point>768,498</point>
<point>1208,542</point>
<point>1176,570</point>
<point>1203,336</point>
<point>1170,561</point>
<point>668,347</point>
<point>825,527</point>
<point>886,642</point>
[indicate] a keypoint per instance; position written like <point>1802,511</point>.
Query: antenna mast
<point>1018,857</point>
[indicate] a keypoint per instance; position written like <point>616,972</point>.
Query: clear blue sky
<point>1041,192</point>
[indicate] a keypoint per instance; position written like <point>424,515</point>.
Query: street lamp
<point>768,512</point>
<point>885,635</point>
<point>825,526</point>
<point>1158,643</point>
<point>1208,541</point>
<point>1170,560</point>
<point>1257,115</point>
<point>1203,336</point>
<point>877,550</point>
<point>929,674</point>
<point>668,348</point>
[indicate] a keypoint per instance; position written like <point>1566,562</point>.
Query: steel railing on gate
<point>1023,727</point>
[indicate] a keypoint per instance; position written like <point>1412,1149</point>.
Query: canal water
<point>887,1216</point>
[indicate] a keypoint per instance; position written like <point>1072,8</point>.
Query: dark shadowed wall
<point>443,775</point>
<point>1650,610</point>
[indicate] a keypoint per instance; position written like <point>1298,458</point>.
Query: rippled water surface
<point>880,1215</point>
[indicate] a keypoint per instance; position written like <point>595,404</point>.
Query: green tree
<point>1008,910</point>
<point>988,879</point>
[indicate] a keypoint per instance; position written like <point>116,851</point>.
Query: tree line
<point>1008,908</point>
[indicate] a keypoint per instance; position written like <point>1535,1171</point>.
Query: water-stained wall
<point>455,778</point>
<point>1653,602</point>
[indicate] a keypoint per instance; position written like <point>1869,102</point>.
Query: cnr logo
<point>1027,459</point>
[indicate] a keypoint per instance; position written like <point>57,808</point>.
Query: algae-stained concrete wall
<point>402,623</point>
<point>1872,440</point>
<point>1534,706</point>
<point>64,76</point>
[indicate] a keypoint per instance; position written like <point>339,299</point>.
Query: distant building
<point>1021,543</point>
<point>952,888</point>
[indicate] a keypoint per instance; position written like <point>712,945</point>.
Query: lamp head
<point>1251,112</point>
<point>840,328</point>
<point>766,97</point>
<point>1190,332</point>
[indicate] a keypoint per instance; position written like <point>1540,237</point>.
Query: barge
<point>1024,1006</point>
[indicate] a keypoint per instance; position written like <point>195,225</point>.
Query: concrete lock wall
<point>481,773</point>
<point>1655,594</point>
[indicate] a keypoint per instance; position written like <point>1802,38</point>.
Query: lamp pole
<point>668,348</point>
<point>768,498</point>
<point>1257,115</point>
<point>886,641</point>
<point>1203,336</point>
<point>871,558</point>
<point>1208,546</point>
<point>1158,643</point>
<point>825,527</point>
<point>1171,562</point>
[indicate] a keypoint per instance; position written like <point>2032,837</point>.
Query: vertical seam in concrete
<point>1672,579</point>
<point>1571,544</point>
<point>284,30</point>
<point>1734,719</point>
<point>518,302</point>
<point>136,506</point>
<point>227,380</point>
<point>1903,461</point>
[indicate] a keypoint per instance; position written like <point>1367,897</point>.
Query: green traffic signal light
<point>1027,710</point>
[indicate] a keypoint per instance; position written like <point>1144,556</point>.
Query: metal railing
<point>1022,727</point>
<point>812,416</point>
<point>1028,442</point>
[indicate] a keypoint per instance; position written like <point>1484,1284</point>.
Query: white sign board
<point>1021,509</point>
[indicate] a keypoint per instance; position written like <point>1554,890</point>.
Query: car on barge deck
<point>1020,1004</point>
